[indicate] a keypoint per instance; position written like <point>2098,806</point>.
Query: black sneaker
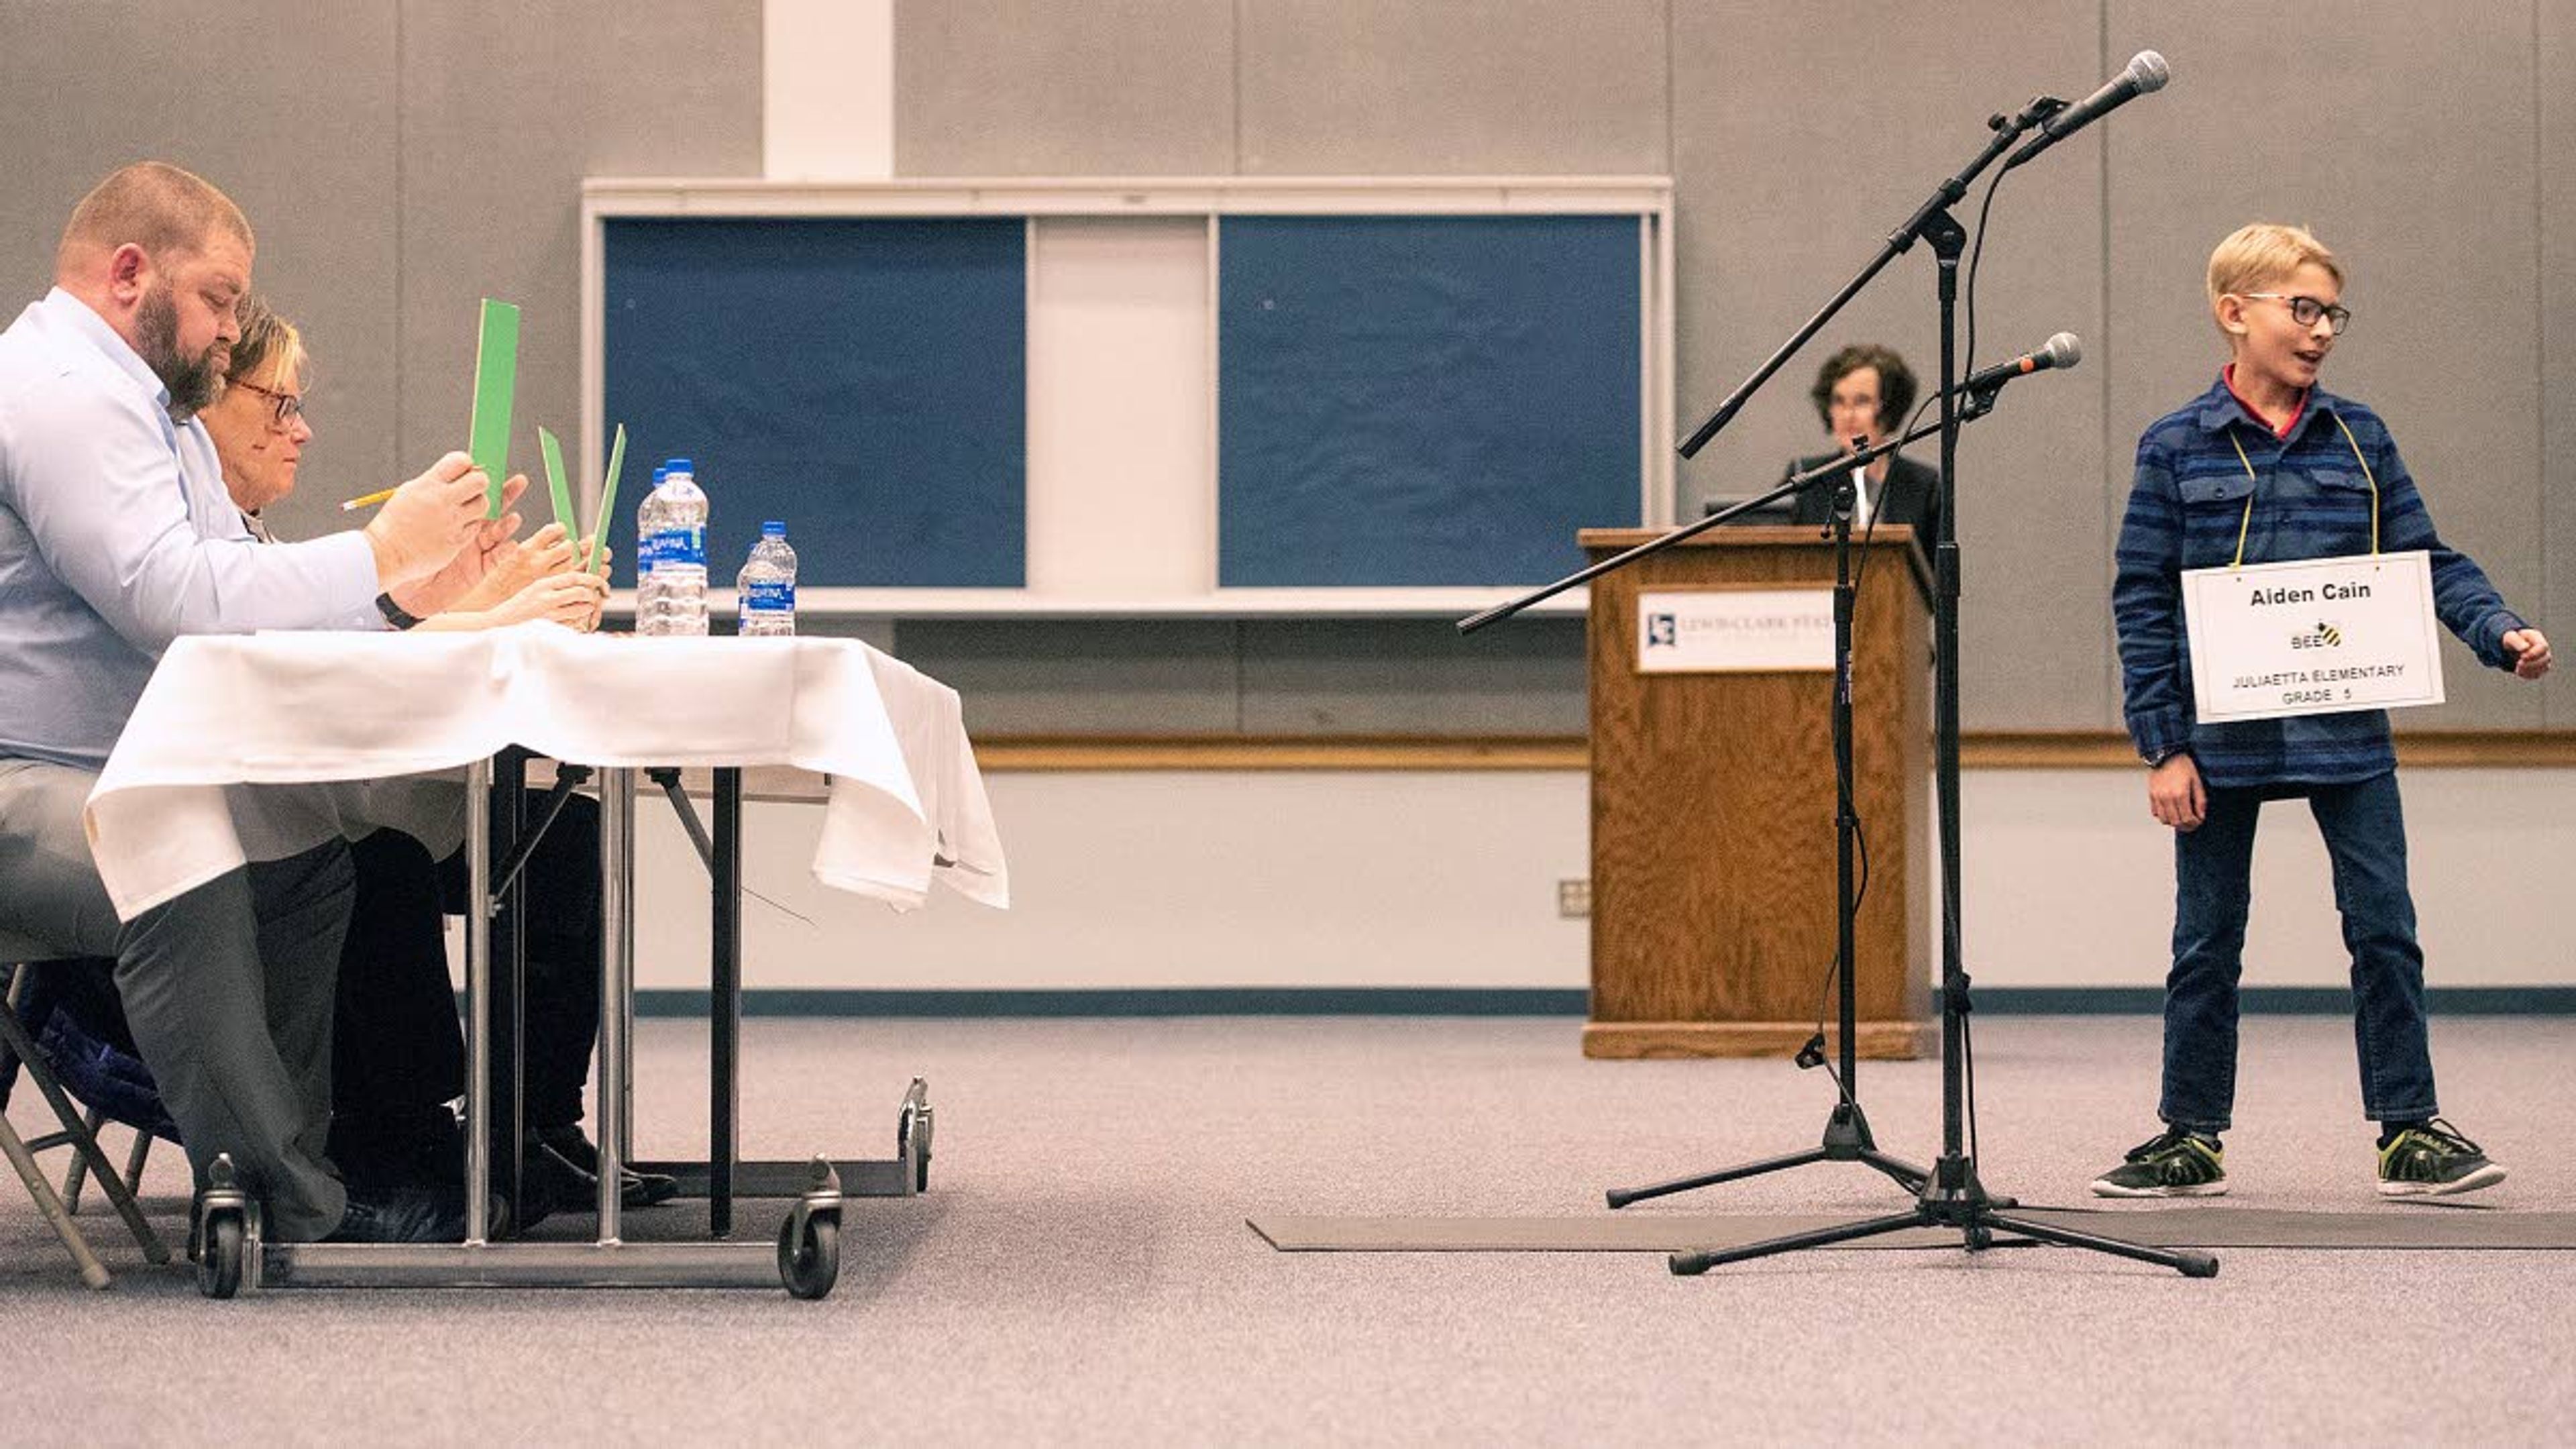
<point>574,1157</point>
<point>2433,1161</point>
<point>2175,1163</point>
<point>402,1215</point>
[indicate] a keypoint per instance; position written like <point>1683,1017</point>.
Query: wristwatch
<point>395,614</point>
<point>2167,753</point>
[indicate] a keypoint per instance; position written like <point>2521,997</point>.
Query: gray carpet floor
<point>1081,1271</point>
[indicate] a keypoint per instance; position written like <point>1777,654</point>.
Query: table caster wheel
<point>1980,1238</point>
<point>912,1143</point>
<point>219,1257</point>
<point>220,1231</point>
<point>809,1254</point>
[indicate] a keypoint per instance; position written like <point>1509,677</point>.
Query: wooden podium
<point>1713,900</point>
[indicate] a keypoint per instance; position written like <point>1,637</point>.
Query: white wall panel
<point>1122,460</point>
<point>1449,879</point>
<point>1173,880</point>
<point>827,89</point>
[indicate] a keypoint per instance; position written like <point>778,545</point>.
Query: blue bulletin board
<point>862,379</point>
<point>1424,400</point>
<point>1405,386</point>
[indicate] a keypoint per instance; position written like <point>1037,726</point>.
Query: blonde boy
<point>2267,466</point>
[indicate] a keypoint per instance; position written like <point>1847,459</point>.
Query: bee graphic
<point>2329,633</point>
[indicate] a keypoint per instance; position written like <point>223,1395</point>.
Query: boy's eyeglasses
<point>290,405</point>
<point>2305,310</point>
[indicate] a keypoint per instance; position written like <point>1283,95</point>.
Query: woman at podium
<point>1865,391</point>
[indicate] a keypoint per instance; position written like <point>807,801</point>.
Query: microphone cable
<point>1813,1053</point>
<point>1967,1038</point>
<point>1976,261</point>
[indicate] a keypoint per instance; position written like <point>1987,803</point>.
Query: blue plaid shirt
<point>2311,500</point>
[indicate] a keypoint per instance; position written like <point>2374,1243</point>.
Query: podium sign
<point>2318,636</point>
<point>1721,630</point>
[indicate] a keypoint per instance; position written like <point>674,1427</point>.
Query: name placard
<point>2317,636</point>
<point>1735,631</point>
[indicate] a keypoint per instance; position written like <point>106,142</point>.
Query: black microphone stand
<point>1847,1136</point>
<point>1952,1197</point>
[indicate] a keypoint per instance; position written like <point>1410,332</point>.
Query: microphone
<point>2147,72</point>
<point>2062,350</point>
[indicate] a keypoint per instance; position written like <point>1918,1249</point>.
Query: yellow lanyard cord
<point>2367,476</point>
<point>2247,522</point>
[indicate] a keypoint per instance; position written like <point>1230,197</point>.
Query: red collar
<point>2227,374</point>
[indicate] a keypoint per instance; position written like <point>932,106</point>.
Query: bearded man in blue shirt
<point>2268,467</point>
<point>116,537</point>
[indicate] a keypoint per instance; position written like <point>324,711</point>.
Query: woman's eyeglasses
<point>290,405</point>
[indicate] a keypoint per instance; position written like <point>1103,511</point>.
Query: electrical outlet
<point>1574,899</point>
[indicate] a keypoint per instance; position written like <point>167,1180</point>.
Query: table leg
<point>478,1000</point>
<point>616,983</point>
<point>724,1005</point>
<point>509,985</point>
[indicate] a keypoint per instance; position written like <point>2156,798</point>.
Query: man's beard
<point>192,384</point>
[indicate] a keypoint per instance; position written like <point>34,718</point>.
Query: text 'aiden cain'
<point>2287,595</point>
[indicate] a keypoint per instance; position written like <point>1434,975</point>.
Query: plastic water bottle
<point>765,590</point>
<point>672,534</point>
<point>647,592</point>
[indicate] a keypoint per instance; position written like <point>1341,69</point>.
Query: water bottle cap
<point>681,465</point>
<point>660,473</point>
<point>773,529</point>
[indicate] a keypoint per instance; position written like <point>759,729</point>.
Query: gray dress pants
<point>229,988</point>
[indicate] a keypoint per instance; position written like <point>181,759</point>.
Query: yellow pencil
<point>369,501</point>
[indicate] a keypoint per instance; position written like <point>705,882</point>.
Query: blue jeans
<point>2365,835</point>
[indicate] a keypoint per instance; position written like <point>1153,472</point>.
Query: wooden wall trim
<point>1987,750</point>
<point>1031,753</point>
<point>1066,754</point>
<point>2421,749</point>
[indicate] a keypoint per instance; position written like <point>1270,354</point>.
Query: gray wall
<point>403,159</point>
<point>398,161</point>
<point>2420,141</point>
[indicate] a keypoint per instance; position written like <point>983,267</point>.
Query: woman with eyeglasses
<point>1866,391</point>
<point>260,428</point>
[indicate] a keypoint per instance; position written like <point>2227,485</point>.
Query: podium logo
<point>2326,635</point>
<point>1687,630</point>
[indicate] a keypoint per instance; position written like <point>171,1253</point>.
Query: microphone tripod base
<point>1953,1199</point>
<point>1847,1139</point>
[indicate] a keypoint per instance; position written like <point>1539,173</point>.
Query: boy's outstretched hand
<point>2174,793</point>
<point>2530,652</point>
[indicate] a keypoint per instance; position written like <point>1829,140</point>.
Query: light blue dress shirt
<point>116,537</point>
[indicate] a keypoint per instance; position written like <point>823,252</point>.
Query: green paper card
<point>593,557</point>
<point>555,489</point>
<point>496,378</point>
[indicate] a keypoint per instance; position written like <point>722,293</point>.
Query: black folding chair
<point>19,1052</point>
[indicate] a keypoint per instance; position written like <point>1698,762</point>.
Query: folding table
<point>368,730</point>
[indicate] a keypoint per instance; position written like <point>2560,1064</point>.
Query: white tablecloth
<point>199,781</point>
